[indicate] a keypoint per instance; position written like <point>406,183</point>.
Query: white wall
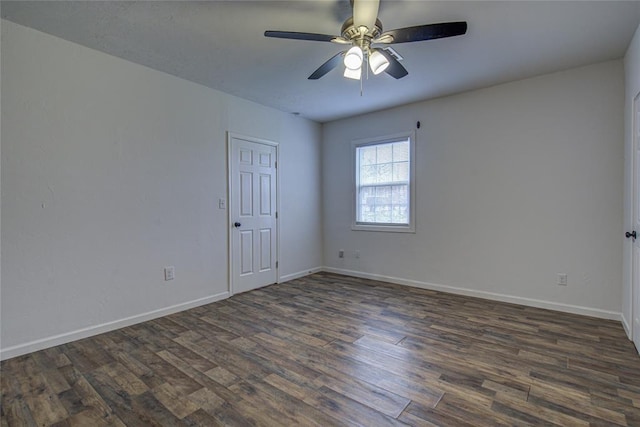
<point>110,171</point>
<point>515,184</point>
<point>632,88</point>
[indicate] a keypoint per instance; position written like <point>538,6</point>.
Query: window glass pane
<point>368,175</point>
<point>367,155</point>
<point>385,153</point>
<point>399,197</point>
<point>399,194</point>
<point>399,215</point>
<point>401,151</point>
<point>383,195</point>
<point>401,171</point>
<point>383,204</point>
<point>367,196</point>
<point>367,203</point>
<point>367,215</point>
<point>383,213</point>
<point>384,173</point>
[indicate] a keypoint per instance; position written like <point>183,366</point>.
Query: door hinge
<point>276,264</point>
<point>276,215</point>
<point>276,165</point>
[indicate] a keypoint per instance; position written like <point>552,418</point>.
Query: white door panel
<point>252,214</point>
<point>265,194</point>
<point>246,252</point>
<point>246,196</point>
<point>265,249</point>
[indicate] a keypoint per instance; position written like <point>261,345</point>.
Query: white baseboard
<point>625,325</point>
<point>566,308</point>
<point>41,344</point>
<point>299,274</point>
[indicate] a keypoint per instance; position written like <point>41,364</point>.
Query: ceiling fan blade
<point>332,63</point>
<point>423,32</point>
<point>395,68</point>
<point>365,13</point>
<point>301,36</point>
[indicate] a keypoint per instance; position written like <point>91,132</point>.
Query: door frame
<point>230,264</point>
<point>634,269</point>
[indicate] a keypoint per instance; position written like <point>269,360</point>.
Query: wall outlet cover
<point>562,279</point>
<point>169,273</point>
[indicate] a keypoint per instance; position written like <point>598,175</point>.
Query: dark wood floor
<point>333,350</point>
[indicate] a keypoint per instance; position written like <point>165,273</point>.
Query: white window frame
<point>397,228</point>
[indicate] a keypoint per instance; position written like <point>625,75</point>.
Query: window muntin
<point>383,181</point>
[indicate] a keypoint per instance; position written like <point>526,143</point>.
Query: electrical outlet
<point>341,253</point>
<point>562,279</point>
<point>357,254</point>
<point>169,273</point>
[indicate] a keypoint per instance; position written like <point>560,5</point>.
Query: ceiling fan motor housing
<point>358,37</point>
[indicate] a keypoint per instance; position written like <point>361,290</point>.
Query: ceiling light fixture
<point>353,74</point>
<point>378,62</point>
<point>353,58</point>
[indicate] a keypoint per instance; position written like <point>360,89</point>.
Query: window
<point>384,184</point>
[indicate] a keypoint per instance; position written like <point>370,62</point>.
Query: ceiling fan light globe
<point>353,58</point>
<point>378,62</point>
<point>353,74</point>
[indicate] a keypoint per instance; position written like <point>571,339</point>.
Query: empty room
<point>320,213</point>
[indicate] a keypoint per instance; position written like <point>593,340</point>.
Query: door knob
<point>632,234</point>
<point>237,224</point>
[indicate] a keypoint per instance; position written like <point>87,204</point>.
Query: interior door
<point>635,279</point>
<point>252,213</point>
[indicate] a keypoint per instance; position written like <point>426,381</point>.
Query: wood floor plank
<point>90,417</point>
<point>525,411</point>
<point>416,414</point>
<point>127,381</point>
<point>153,412</point>
<point>17,413</point>
<point>414,390</point>
<point>570,398</point>
<point>329,350</point>
<point>174,401</point>
<point>296,411</point>
<point>202,418</point>
<point>46,408</point>
<point>92,399</point>
<point>368,394</point>
<point>219,409</point>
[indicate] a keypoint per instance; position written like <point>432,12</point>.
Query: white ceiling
<point>220,44</point>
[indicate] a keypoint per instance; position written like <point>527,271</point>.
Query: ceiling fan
<point>363,31</point>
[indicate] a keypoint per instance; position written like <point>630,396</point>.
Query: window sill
<point>384,228</point>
